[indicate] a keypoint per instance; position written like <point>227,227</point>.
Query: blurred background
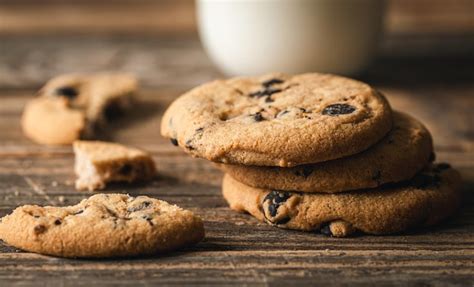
<point>158,41</point>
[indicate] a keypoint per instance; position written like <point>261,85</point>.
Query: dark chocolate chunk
<point>326,230</point>
<point>113,110</point>
<point>174,141</point>
<point>273,209</point>
<point>125,169</point>
<point>269,99</point>
<point>275,199</point>
<point>265,92</point>
<point>68,92</point>
<point>189,145</point>
<point>111,212</point>
<point>141,206</point>
<point>271,82</point>
<point>78,212</point>
<point>304,171</point>
<point>432,157</point>
<point>377,176</point>
<point>39,229</point>
<point>258,117</point>
<point>199,130</point>
<point>57,222</point>
<point>338,109</point>
<point>148,219</point>
<point>284,112</point>
<point>284,220</point>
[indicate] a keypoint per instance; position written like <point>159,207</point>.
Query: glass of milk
<point>250,37</point>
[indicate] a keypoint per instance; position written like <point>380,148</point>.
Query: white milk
<point>249,37</point>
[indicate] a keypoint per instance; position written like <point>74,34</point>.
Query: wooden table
<point>436,88</point>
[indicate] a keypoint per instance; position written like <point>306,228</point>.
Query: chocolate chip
<point>148,219</point>
<point>239,92</point>
<point>57,222</point>
<point>68,92</point>
<point>39,229</point>
<point>199,130</point>
<point>304,171</point>
<point>303,110</point>
<point>271,82</point>
<point>377,176</point>
<point>432,157</point>
<point>284,112</point>
<point>326,230</point>
<point>265,92</point>
<point>111,212</point>
<point>269,99</point>
<point>174,141</point>
<point>125,169</point>
<point>284,220</point>
<point>141,206</point>
<point>338,109</point>
<point>275,199</point>
<point>189,145</point>
<point>113,110</point>
<point>78,212</point>
<point>258,117</point>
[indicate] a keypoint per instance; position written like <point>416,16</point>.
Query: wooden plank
<point>164,17</point>
<point>237,250</point>
<point>27,17</point>
<point>28,62</point>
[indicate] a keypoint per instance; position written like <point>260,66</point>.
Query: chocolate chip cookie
<point>73,106</point>
<point>425,200</point>
<point>98,163</point>
<point>104,225</point>
<point>403,152</point>
<point>278,119</point>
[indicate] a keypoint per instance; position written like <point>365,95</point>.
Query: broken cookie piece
<point>74,106</point>
<point>102,226</point>
<point>98,163</point>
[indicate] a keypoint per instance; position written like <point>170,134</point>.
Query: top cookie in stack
<point>278,120</point>
<point>315,152</point>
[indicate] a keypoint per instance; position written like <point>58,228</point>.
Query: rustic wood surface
<point>429,77</point>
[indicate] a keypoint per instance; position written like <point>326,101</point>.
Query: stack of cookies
<point>315,152</point>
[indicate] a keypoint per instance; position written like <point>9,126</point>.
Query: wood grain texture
<point>237,250</point>
<point>177,17</point>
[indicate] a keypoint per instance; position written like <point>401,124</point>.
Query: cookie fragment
<point>74,106</point>
<point>98,163</point>
<point>130,226</point>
